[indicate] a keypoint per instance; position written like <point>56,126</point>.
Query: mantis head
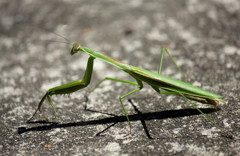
<point>75,48</point>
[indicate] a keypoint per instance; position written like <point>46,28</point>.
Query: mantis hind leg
<point>203,114</point>
<point>224,133</point>
<point>163,50</point>
<point>189,101</point>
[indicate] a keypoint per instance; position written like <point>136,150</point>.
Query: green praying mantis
<point>160,83</point>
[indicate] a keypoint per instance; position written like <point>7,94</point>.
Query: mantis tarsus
<point>160,83</point>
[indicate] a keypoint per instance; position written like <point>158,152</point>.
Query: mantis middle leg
<point>138,83</point>
<point>111,79</point>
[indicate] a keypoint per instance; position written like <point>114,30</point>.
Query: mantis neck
<point>105,58</point>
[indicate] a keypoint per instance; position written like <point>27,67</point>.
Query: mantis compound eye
<point>75,48</point>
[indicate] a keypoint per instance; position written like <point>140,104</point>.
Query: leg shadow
<point>117,119</point>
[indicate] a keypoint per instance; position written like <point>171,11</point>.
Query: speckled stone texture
<point>203,36</point>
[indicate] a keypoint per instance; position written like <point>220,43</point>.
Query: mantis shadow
<point>117,119</point>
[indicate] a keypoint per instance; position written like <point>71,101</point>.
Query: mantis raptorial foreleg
<point>40,104</point>
<point>170,56</point>
<point>68,87</point>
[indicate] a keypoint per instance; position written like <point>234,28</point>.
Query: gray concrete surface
<point>203,36</point>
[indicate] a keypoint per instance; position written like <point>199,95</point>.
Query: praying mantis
<point>160,83</point>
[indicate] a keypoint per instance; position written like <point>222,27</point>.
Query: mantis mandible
<point>160,83</point>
